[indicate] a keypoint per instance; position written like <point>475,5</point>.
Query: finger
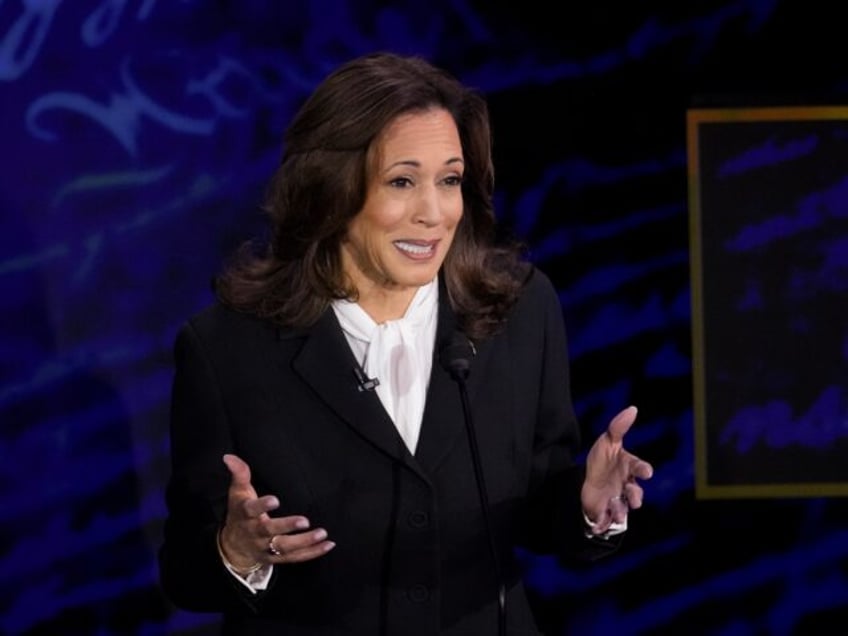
<point>242,496</point>
<point>254,508</point>
<point>307,554</point>
<point>239,471</point>
<point>621,423</point>
<point>641,469</point>
<point>614,510</point>
<point>618,508</point>
<point>633,495</point>
<point>291,548</point>
<point>287,525</point>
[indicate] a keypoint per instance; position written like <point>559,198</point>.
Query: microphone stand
<point>459,369</point>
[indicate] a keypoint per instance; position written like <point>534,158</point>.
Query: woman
<point>325,477</point>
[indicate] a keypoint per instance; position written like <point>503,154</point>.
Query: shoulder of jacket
<point>217,321</point>
<point>537,285</point>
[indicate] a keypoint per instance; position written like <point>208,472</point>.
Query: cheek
<point>456,212</point>
<point>368,224</point>
<point>452,228</point>
<point>383,216</point>
<point>358,237</point>
<point>452,207</point>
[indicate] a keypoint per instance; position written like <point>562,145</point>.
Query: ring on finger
<point>272,549</point>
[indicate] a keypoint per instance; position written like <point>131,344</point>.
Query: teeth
<point>414,249</point>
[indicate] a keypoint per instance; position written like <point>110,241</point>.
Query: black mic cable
<point>456,358</point>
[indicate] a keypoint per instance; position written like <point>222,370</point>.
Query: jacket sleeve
<point>192,573</point>
<point>554,510</point>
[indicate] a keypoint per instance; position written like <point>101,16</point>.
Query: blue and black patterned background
<point>136,137</point>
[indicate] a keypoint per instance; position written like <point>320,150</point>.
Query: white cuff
<point>614,528</point>
<point>255,580</point>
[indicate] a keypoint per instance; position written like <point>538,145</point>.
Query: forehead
<point>418,133</point>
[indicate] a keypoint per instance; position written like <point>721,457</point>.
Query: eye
<point>453,180</point>
<point>400,182</point>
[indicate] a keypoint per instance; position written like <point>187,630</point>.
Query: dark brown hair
<point>321,183</point>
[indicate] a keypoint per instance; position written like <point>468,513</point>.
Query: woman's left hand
<point>610,489</point>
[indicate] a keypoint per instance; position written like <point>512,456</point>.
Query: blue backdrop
<point>136,139</point>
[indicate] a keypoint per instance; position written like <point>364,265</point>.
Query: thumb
<point>239,471</point>
<point>621,423</point>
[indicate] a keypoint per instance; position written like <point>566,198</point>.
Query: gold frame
<point>695,117</point>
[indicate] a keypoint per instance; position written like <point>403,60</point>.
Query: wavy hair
<point>320,185</point>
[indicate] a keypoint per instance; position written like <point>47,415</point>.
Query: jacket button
<point>418,593</point>
<point>418,519</point>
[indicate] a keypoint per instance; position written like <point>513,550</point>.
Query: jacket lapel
<point>326,364</point>
<point>443,425</point>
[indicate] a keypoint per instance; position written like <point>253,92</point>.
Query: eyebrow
<point>417,164</point>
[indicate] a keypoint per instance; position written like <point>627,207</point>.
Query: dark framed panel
<point>768,205</point>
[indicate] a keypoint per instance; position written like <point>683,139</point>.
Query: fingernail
<point>329,545</point>
<point>320,535</point>
<point>301,524</point>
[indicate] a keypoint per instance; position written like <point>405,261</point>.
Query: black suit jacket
<point>412,555</point>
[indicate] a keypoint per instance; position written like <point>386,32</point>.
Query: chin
<point>419,280</point>
<point>425,278</point>
<point>405,274</point>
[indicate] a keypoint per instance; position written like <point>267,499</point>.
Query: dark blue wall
<point>136,138</point>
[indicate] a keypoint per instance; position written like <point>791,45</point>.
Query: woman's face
<point>413,203</point>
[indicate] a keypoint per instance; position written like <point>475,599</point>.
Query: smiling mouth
<point>418,250</point>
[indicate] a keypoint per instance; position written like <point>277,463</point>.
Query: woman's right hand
<point>251,537</point>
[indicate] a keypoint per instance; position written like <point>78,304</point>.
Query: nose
<point>428,207</point>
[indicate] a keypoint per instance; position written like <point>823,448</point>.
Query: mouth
<point>417,249</point>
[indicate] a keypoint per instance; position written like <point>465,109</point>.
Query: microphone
<point>363,382</point>
<point>455,357</point>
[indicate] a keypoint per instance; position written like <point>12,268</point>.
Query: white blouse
<point>398,353</point>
